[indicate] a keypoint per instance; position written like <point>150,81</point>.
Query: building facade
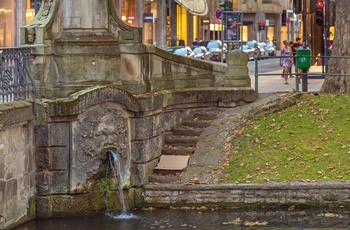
<point>172,22</point>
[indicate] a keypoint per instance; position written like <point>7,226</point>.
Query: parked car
<point>249,51</point>
<point>254,45</point>
<point>263,50</point>
<point>181,50</point>
<point>201,52</point>
<point>215,50</point>
<point>271,49</point>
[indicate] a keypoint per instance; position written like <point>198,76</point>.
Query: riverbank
<point>202,184</point>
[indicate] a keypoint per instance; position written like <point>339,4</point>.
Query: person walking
<point>286,60</point>
<point>295,47</point>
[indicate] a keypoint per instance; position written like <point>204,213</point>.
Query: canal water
<point>201,219</point>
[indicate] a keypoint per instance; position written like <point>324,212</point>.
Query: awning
<point>196,7</point>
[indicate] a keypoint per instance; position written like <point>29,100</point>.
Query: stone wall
<point>313,194</point>
<point>72,140</point>
<point>17,164</point>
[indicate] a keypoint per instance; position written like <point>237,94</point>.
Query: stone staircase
<point>179,145</point>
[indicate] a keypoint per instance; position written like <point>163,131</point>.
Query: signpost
<point>232,27</point>
<point>232,22</point>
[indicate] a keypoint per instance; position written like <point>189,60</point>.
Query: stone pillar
<point>85,14</point>
<point>237,74</point>
<point>161,25</point>
<point>140,9</point>
<point>20,19</point>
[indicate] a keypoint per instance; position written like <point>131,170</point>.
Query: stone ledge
<point>80,101</point>
<point>313,194</point>
<point>15,113</point>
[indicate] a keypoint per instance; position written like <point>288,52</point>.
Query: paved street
<point>275,83</point>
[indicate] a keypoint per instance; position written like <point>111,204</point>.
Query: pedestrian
<point>290,44</point>
<point>295,47</point>
<point>286,61</point>
<point>195,42</point>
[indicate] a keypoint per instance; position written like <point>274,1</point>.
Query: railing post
<point>296,76</point>
<point>256,75</point>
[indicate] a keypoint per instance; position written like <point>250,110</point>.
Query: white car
<point>215,49</point>
<point>181,50</point>
<point>263,50</point>
<point>249,51</point>
<point>201,52</point>
<point>271,49</point>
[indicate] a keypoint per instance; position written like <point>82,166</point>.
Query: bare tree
<point>341,47</point>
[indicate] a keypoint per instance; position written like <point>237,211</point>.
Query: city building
<point>175,22</point>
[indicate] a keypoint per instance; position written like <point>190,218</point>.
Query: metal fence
<point>303,75</point>
<point>15,81</point>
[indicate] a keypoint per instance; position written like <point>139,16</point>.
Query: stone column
<point>140,9</point>
<point>20,19</point>
<point>161,25</point>
<point>237,74</point>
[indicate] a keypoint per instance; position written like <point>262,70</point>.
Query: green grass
<point>307,142</point>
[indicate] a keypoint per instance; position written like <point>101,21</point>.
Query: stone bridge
<point>101,88</point>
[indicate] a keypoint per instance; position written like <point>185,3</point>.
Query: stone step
<point>210,115</point>
<point>180,140</point>
<point>187,131</point>
<point>179,145</point>
<point>197,124</point>
<point>171,164</point>
<point>178,150</point>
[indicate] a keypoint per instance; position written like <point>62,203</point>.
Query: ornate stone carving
<point>103,126</point>
<point>41,19</point>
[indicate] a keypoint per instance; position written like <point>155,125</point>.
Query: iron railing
<point>15,81</point>
<point>296,73</point>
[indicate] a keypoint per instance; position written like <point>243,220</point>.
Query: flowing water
<point>117,173</point>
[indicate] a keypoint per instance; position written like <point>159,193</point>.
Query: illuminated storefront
<point>7,20</point>
<point>13,15</point>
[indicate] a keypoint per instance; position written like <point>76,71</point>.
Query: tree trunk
<point>341,47</point>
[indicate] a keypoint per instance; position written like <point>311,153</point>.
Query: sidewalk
<point>275,83</point>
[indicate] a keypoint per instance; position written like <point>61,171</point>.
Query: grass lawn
<point>307,142</point>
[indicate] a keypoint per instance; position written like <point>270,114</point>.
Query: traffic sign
<point>218,14</point>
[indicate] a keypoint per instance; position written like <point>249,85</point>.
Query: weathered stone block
<point>59,158</point>
<point>142,128</point>
<point>141,172</point>
<point>41,135</point>
<point>164,121</point>
<point>60,182</point>
<point>2,195</point>
<point>242,82</point>
<point>2,166</point>
<point>237,72</point>
<point>203,83</point>
<point>11,189</point>
<point>42,159</point>
<point>144,151</point>
<point>43,183</point>
<point>59,134</point>
<point>237,58</point>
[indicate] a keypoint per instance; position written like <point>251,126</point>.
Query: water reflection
<point>201,219</point>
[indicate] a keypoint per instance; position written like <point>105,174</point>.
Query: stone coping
<point>15,113</point>
<point>268,186</point>
<point>80,101</point>
<point>313,194</point>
